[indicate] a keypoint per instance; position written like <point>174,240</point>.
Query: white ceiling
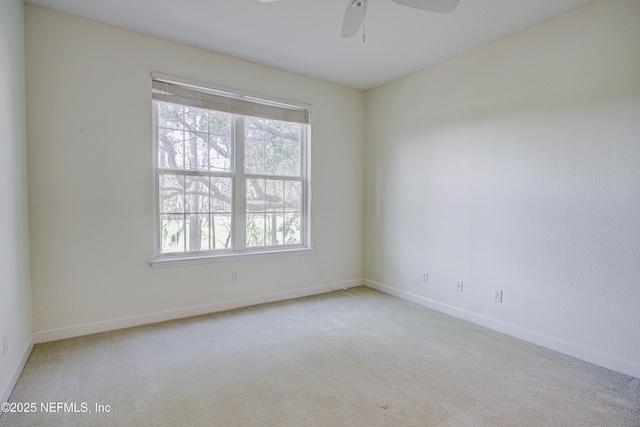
<point>304,35</point>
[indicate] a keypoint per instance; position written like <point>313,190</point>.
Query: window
<point>231,173</point>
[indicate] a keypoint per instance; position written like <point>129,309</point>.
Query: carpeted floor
<point>348,358</point>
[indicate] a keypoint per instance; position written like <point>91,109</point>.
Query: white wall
<point>90,175</point>
<point>15,289</point>
<point>516,166</point>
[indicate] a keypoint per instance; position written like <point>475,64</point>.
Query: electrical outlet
<point>497,295</point>
<point>234,277</point>
<point>5,344</point>
<point>425,277</point>
<point>459,287</point>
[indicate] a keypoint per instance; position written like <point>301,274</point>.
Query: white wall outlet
<point>425,277</point>
<point>497,295</point>
<point>459,287</point>
<point>234,277</point>
<point>5,344</point>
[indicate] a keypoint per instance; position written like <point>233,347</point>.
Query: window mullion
<point>239,187</point>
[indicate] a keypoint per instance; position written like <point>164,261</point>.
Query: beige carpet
<point>348,358</point>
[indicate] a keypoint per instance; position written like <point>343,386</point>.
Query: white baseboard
<point>127,322</point>
<point>8,388</point>
<point>551,343</point>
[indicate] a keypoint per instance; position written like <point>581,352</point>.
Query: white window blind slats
<point>204,98</point>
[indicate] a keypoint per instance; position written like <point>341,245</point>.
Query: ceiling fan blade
<point>438,6</point>
<point>353,17</point>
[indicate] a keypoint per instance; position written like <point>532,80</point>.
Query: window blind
<point>200,97</point>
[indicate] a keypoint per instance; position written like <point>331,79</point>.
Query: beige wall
<point>90,175</point>
<point>516,166</point>
<point>15,290</point>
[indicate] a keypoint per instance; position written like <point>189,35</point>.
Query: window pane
<point>172,233</point>
<point>206,203</point>
<point>254,156</point>
<point>291,159</point>
<point>256,195</point>
<point>196,148</point>
<point>197,194</point>
<point>291,152</point>
<point>291,229</point>
<point>271,228</point>
<point>221,191</point>
<point>291,132</point>
<point>219,123</point>
<point>272,147</point>
<point>170,115</point>
<point>197,232</point>
<point>220,152</point>
<point>220,147</point>
<point>221,231</point>
<point>253,128</point>
<point>274,197</point>
<point>272,130</point>
<point>273,212</point>
<point>273,158</point>
<point>255,230</point>
<point>171,193</point>
<point>170,149</point>
<point>293,196</point>
<point>196,119</point>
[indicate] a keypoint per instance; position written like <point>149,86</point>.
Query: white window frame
<point>238,250</point>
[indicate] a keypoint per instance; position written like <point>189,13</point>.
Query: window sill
<point>179,261</point>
